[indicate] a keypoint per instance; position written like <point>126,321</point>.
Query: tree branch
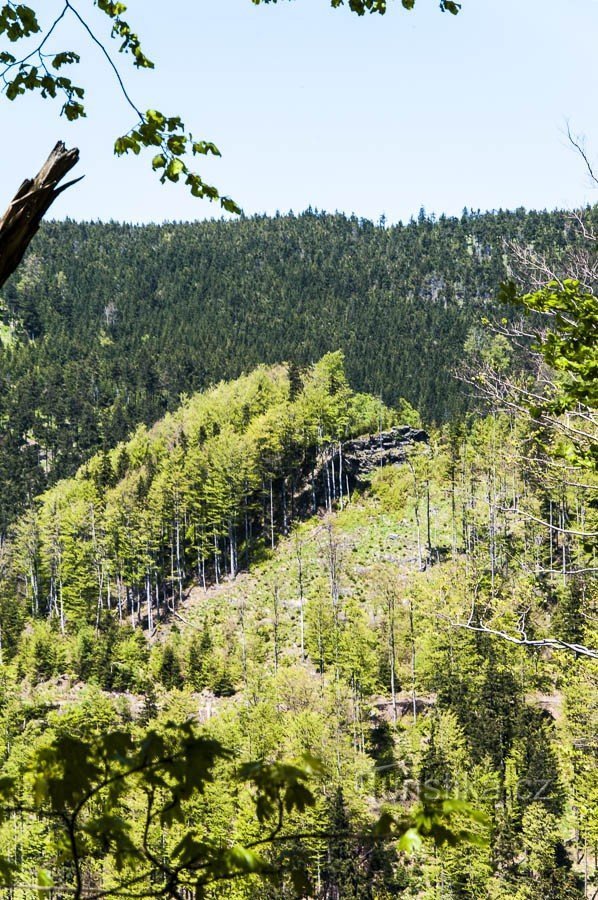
<point>22,219</point>
<point>522,641</point>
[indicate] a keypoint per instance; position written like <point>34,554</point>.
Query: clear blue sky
<point>314,106</point>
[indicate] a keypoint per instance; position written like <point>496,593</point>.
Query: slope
<point>111,323</point>
<point>345,639</point>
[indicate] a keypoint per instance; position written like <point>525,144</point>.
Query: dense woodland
<point>168,581</point>
<point>105,326</point>
<point>298,536</point>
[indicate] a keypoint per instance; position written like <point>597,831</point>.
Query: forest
<point>298,512</point>
<point>105,326</point>
<point>399,669</point>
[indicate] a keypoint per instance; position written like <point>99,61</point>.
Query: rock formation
<point>340,468</point>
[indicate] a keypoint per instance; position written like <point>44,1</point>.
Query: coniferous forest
<point>298,512</point>
<point>108,325</point>
<point>298,562</point>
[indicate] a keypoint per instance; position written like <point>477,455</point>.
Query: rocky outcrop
<point>341,467</point>
<point>365,454</point>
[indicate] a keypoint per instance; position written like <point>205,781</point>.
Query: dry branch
<point>22,219</point>
<point>523,641</point>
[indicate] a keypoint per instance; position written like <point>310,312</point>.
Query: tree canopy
<point>106,325</point>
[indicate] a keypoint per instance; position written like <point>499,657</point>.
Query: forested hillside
<point>105,325</point>
<point>198,496</point>
<point>172,579</point>
<point>299,511</point>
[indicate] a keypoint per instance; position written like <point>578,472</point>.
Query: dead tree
<point>22,219</point>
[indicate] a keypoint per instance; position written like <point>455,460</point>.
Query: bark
<point>22,219</point>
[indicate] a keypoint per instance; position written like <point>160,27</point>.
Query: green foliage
<point>152,131</point>
<point>434,818</point>
<point>557,387</point>
<point>111,324</point>
<point>86,788</point>
<point>379,6</point>
<point>17,21</point>
<point>569,342</point>
<point>339,644</point>
<point>168,135</point>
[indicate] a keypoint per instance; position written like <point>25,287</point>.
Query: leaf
<point>191,851</point>
<point>410,841</point>
<point>155,118</point>
<point>45,883</point>
<point>205,147</point>
<point>174,169</point>
<point>230,206</point>
<point>66,58</point>
<point>239,859</point>
<point>73,110</point>
<point>298,797</point>
<point>385,826</point>
<point>111,8</point>
<point>18,22</point>
<point>13,89</point>
<point>177,144</point>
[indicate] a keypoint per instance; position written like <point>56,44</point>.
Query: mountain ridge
<point>110,324</point>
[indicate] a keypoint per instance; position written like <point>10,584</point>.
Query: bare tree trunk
<point>390,596</point>
<point>276,625</point>
<point>417,520</point>
<point>22,219</point>
<point>413,672</point>
<point>299,557</point>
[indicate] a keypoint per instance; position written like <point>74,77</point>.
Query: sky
<point>310,106</point>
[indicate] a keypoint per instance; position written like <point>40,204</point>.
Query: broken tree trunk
<point>31,202</point>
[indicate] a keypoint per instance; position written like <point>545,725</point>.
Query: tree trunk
<point>22,219</point>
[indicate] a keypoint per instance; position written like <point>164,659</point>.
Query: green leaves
<point>566,339</point>
<point>64,772</point>
<point>89,787</point>
<point>66,58</point>
<point>205,147</point>
<point>242,861</point>
<point>360,7</point>
<point>18,21</point>
<point>281,786</point>
<point>30,77</point>
<point>174,168</point>
<point>168,133</point>
<point>153,129</point>
<point>44,883</point>
<point>121,29</point>
<point>569,340</point>
<point>444,820</point>
<point>73,110</point>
